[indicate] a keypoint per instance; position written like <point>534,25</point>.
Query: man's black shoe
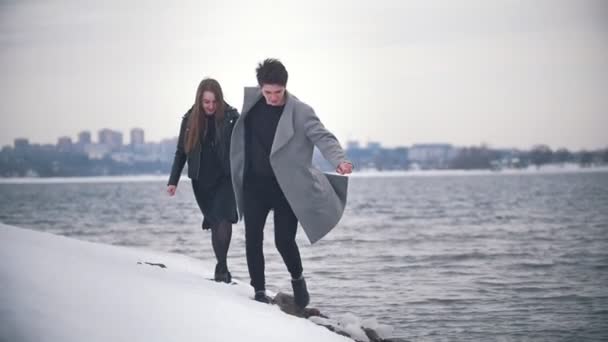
<point>261,297</point>
<point>300,292</point>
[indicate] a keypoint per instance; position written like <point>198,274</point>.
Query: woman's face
<point>209,104</point>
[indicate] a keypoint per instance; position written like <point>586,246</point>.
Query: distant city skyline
<point>136,136</point>
<point>506,73</point>
<point>112,155</point>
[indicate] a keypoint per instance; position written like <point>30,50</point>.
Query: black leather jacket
<point>193,158</point>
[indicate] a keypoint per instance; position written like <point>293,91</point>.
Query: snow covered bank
<point>53,288</point>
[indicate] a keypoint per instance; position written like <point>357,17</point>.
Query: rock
<point>372,335</point>
<point>287,304</point>
<point>337,331</point>
<point>351,327</point>
<point>152,264</point>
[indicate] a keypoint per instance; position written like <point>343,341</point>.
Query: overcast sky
<point>507,73</point>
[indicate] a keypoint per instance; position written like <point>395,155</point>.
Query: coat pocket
<point>320,183</point>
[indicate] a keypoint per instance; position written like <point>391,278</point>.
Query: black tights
<point>221,235</point>
<point>221,232</point>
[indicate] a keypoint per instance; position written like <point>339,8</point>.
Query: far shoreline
<point>546,170</point>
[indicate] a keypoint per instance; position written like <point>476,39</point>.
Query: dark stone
<point>287,304</point>
<point>372,335</point>
<point>310,312</point>
<point>337,331</point>
<point>152,264</point>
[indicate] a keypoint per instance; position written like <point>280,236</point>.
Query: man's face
<point>274,94</point>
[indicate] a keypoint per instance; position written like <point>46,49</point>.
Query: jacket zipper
<point>198,165</point>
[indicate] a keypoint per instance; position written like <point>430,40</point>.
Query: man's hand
<point>171,190</point>
<point>344,168</point>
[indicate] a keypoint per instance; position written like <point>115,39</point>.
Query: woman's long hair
<point>197,122</point>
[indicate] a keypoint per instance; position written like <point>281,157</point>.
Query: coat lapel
<point>251,97</point>
<point>285,130</point>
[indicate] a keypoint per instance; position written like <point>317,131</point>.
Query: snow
<point>54,288</point>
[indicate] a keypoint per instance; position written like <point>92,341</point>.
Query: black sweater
<point>260,128</point>
<point>211,170</point>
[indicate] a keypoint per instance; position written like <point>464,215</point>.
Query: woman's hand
<point>171,190</point>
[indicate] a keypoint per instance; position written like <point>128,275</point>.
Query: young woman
<point>204,142</point>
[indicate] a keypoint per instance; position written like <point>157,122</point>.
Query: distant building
<point>431,156</point>
<point>64,144</point>
<point>84,138</point>
<point>376,157</point>
<point>110,138</point>
<point>137,136</point>
<point>352,144</point>
<point>392,159</point>
<point>21,144</point>
<point>45,147</point>
<point>122,157</point>
<point>96,151</point>
<point>149,152</point>
<point>374,146</point>
<point>167,149</point>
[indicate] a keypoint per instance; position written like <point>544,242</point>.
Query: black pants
<point>260,196</point>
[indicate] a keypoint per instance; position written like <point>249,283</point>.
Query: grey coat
<point>317,199</point>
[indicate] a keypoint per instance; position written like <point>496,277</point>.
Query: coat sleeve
<point>232,118</point>
<point>322,138</point>
<point>179,160</point>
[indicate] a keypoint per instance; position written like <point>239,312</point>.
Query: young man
<point>271,162</point>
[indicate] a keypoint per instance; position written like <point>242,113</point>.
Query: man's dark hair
<point>271,71</point>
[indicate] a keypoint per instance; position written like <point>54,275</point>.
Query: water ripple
<point>486,257</point>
